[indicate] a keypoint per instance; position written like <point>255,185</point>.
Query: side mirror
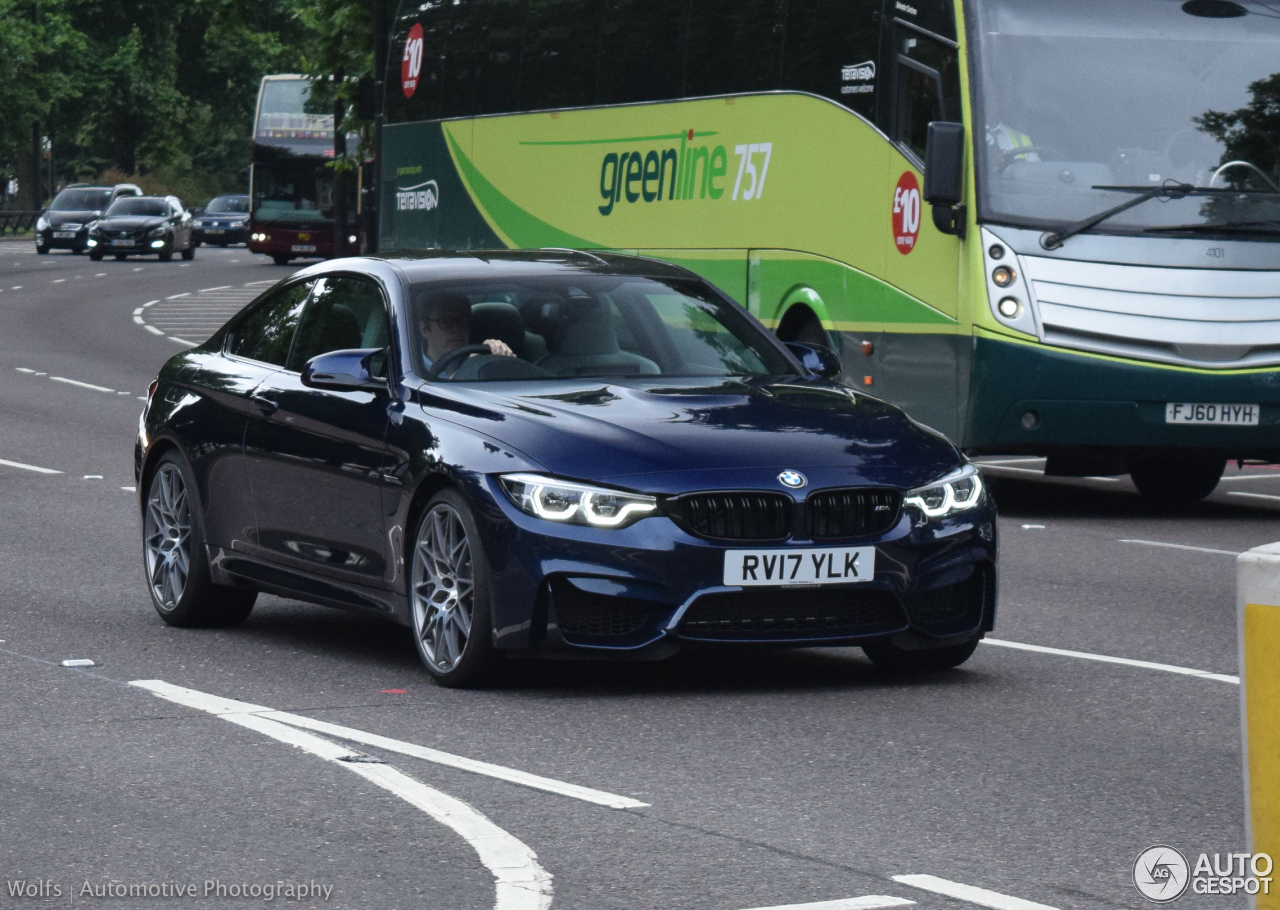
<point>944,176</point>
<point>347,371</point>
<point>816,359</point>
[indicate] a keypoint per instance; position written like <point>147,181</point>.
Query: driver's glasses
<point>450,323</point>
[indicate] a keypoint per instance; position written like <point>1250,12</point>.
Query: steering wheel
<point>456,356</point>
<point>1008,157</point>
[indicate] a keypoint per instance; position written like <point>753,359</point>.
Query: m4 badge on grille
<point>793,479</point>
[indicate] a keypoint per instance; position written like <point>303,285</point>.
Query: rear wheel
<point>189,253</point>
<point>175,558</point>
<point>449,595</point>
<point>888,656</point>
<point>1176,479</point>
<point>280,260</point>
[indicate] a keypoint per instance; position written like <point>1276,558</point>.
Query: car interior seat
<point>589,343</point>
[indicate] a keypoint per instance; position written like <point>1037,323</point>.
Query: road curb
<point>1258,611</point>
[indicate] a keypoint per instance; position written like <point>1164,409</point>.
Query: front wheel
<point>280,260</point>
<point>95,256</point>
<point>121,257</point>
<point>166,255</point>
<point>888,656</point>
<point>189,253</point>
<point>42,250</point>
<point>1176,479</point>
<point>449,595</point>
<point>173,550</point>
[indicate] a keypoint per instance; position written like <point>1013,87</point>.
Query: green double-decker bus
<point>1087,269</point>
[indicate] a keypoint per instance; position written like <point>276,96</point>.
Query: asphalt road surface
<point>713,783</point>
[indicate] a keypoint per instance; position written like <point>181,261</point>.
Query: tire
<point>42,250</point>
<point>888,656</point>
<point>175,558</point>
<point>449,595</point>
<point>95,257</point>
<point>120,257</point>
<point>166,255</point>
<point>280,260</point>
<point>189,253</point>
<point>1176,479</point>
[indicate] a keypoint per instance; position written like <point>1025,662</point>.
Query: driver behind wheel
<point>445,325</point>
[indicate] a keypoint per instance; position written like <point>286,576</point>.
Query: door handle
<point>265,401</point>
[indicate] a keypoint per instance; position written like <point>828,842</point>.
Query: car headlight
<point>576,503</point>
<point>42,223</point>
<point>158,232</point>
<point>959,491</point>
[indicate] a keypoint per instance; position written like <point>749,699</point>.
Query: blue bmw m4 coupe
<point>558,453</point>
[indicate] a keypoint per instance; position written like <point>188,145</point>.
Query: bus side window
<point>735,46</point>
<point>558,61</point>
<point>831,48</point>
<point>497,88</point>
<point>642,50</point>
<point>926,88</point>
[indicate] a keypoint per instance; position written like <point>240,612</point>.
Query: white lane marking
<point>83,385</point>
<point>221,287</point>
<point>138,319</point>
<point>23,370</point>
<point>138,269</point>
<point>16,287</point>
<point>29,467</point>
<point>100,275</point>
<point>153,330</point>
<point>1275,476</point>
<point>968,893</point>
<point>138,311</point>
<point>1107,659</point>
<point>93,477</point>
<point>522,884</point>
<point>1033,527</point>
<point>176,296</point>
<point>218,705</point>
<point>190,344</point>
<point>59,280</point>
<point>868,902</point>
<point>130,489</point>
<point>150,303</point>
<point>1251,495</point>
<point>185,266</point>
<point>1183,546</point>
<point>254,284</point>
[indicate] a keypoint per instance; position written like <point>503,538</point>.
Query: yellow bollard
<point>1258,605</point>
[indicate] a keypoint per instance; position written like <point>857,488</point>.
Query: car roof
<point>424,265</point>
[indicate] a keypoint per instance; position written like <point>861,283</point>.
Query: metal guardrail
<point>12,222</point>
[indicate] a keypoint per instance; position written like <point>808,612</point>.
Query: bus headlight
<point>1009,307</point>
<point>575,503</point>
<point>959,491</point>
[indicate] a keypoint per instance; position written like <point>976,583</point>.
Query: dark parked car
<point>555,453</point>
<point>65,224</point>
<point>225,220</point>
<point>143,225</point>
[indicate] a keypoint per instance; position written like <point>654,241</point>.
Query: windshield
<point>1078,93</point>
<point>297,191</point>
<point>138,205</point>
<point>224,204</point>
<point>80,201</point>
<point>576,326</point>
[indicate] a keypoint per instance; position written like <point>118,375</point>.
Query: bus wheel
<point>1177,479</point>
<point>801,325</point>
<point>280,260</point>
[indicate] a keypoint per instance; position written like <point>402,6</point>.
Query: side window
<point>735,46</point>
<point>343,313</point>
<point>926,87</point>
<point>831,48</point>
<point>642,50</point>
<point>266,333</point>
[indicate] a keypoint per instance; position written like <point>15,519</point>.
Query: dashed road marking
<point>153,330</point>
<point>1107,659</point>
<point>521,883</point>
<point>177,296</point>
<point>1252,495</point>
<point>28,467</point>
<point>973,895</point>
<point>83,385</point>
<point>221,287</point>
<point>1183,546</point>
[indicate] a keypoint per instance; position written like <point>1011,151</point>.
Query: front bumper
<point>650,586</point>
<point>222,233</point>
<point>76,241</point>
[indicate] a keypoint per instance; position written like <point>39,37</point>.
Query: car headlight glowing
<point>42,224</point>
<point>959,491</point>
<point>575,503</point>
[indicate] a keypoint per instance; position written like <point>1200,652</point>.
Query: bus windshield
<point>292,190</point>
<point>1075,94</point>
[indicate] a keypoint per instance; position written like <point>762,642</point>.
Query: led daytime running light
<point>575,503</point>
<point>953,500</point>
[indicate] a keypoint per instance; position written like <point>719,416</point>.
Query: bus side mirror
<point>944,176</point>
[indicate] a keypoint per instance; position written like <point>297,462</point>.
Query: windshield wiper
<point>1170,190</point>
<point>1228,227</point>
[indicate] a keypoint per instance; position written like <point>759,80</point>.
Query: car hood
<point>65,216</point>
<point>230,216</point>
<point>131,222</point>
<point>672,434</point>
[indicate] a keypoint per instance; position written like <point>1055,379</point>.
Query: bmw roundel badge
<point>793,479</point>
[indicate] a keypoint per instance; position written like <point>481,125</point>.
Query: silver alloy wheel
<point>443,588</point>
<point>168,536</point>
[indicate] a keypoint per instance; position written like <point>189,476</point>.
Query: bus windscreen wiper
<point>1170,190</point>
<point>1227,227</point>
